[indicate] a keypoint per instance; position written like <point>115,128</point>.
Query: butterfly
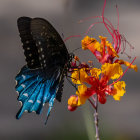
<point>41,80</point>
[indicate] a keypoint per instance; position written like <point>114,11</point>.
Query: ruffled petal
<point>81,90</point>
<point>95,72</point>
<point>80,76</point>
<point>73,101</point>
<point>119,89</point>
<point>113,71</point>
<point>128,64</point>
<point>83,94</point>
<point>81,100</point>
<point>87,42</point>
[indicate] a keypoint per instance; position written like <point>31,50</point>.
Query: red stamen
<point>118,18</point>
<point>124,45</point>
<point>72,36</point>
<point>115,34</point>
<point>91,27</point>
<point>105,22</point>
<point>92,104</point>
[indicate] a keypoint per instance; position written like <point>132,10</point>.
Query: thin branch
<point>96,119</point>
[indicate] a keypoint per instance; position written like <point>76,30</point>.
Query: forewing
<point>51,47</point>
<point>29,46</point>
<point>44,49</point>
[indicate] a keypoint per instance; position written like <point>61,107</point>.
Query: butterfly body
<point>41,80</point>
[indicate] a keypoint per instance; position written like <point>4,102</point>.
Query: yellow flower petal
<point>81,90</point>
<point>81,100</point>
<point>113,71</point>
<point>87,41</point>
<point>73,101</point>
<point>119,87</point>
<point>98,47</point>
<point>79,76</point>
<point>81,94</point>
<point>95,72</point>
<point>128,64</point>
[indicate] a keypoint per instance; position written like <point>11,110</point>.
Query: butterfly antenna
<point>71,82</point>
<point>76,49</point>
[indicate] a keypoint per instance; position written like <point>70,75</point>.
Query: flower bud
<point>72,103</point>
<point>70,108</point>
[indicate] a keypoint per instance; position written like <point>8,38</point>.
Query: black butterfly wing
<point>36,87</point>
<point>52,50</point>
<point>60,89</point>
<point>53,53</point>
<point>29,46</point>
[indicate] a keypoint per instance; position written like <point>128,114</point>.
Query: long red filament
<point>92,104</point>
<point>117,38</point>
<point>72,36</point>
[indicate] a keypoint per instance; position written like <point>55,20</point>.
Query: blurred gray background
<point>118,120</point>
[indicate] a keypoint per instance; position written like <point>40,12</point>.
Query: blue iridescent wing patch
<point>34,91</point>
<point>41,80</point>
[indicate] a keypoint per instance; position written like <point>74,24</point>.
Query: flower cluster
<point>95,84</point>
<point>91,80</point>
<point>104,81</point>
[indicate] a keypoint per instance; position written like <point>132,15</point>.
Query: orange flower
<point>98,85</point>
<point>119,90</point>
<point>127,64</point>
<point>80,76</point>
<point>72,103</point>
<point>103,51</point>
